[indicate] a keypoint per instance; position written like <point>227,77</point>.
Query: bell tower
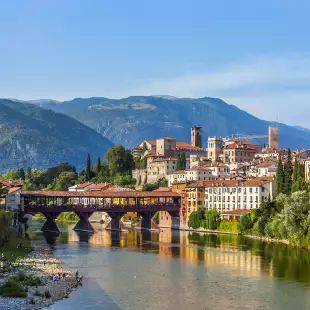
<point>196,136</point>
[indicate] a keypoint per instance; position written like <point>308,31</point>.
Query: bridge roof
<point>100,194</point>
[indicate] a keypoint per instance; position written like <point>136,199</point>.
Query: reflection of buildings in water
<point>224,255</point>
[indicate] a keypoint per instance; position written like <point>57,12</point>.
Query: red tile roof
<point>187,146</point>
<point>100,194</point>
<point>12,183</point>
<point>13,189</point>
<point>163,189</point>
<point>80,186</point>
<point>101,186</point>
<point>151,142</point>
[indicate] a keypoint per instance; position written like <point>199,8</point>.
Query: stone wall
<point>140,175</point>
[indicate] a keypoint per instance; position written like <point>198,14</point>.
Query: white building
<point>266,169</point>
<point>229,195</point>
<point>12,199</point>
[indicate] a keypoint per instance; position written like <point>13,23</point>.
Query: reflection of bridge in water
<point>84,204</point>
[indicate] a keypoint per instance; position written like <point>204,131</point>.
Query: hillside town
<point>232,176</point>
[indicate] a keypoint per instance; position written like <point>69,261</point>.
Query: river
<point>179,270</point>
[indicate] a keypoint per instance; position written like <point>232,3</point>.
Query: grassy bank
<point>15,248</point>
<point>64,217</point>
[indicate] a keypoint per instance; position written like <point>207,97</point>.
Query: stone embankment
<point>40,263</point>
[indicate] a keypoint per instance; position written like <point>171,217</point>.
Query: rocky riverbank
<point>40,263</point>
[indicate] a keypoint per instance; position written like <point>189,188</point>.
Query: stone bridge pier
<point>50,224</point>
<point>84,225</point>
<point>146,221</point>
<point>116,223</point>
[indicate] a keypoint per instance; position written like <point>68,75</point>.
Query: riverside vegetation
<point>285,219</point>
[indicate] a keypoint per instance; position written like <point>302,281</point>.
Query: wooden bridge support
<point>146,221</point>
<point>84,224</point>
<point>50,224</point>
<point>116,223</point>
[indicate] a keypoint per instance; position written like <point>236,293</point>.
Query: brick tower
<point>196,136</point>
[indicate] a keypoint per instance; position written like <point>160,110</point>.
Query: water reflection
<point>245,256</point>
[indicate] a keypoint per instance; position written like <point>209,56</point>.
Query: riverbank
<point>39,264</point>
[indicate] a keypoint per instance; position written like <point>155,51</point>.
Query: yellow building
<point>194,197</point>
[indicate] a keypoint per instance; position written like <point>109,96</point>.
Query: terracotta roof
<point>232,183</point>
<point>177,172</point>
<point>152,142</point>
<point>163,189</point>
<point>100,194</point>
<point>185,145</point>
<point>101,186</point>
<point>165,159</point>
<point>12,183</point>
<point>13,189</point>
<point>242,146</point>
<point>199,168</point>
<point>236,212</point>
<point>265,165</point>
<point>84,185</point>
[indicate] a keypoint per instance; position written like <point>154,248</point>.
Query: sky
<point>253,54</point>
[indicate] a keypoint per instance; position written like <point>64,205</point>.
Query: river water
<point>180,270</point>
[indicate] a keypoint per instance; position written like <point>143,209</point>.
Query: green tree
<point>296,171</point>
<point>88,170</point>
<point>211,219</point>
<point>11,175</point>
<point>22,174</point>
<point>122,179</point>
<point>245,222</point>
<point>97,167</point>
<point>28,175</point>
<point>195,219</point>
<point>156,217</point>
<point>287,186</point>
<point>63,181</point>
<point>181,162</point>
<point>119,160</point>
<point>280,177</point>
<point>149,187</point>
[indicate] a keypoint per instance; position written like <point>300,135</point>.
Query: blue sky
<point>254,54</point>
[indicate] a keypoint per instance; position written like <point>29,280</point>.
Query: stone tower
<point>273,138</point>
<point>196,136</point>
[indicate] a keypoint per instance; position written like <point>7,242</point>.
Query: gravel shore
<point>42,264</point>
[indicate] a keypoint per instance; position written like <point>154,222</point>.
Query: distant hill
<point>130,120</point>
<point>31,136</point>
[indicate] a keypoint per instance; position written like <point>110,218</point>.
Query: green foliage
<point>63,181</point>
<point>13,289</point>
<point>245,222</point>
<point>287,185</point>
<point>195,219</point>
<point>11,249</point>
<point>211,220</point>
<point>119,160</point>
<point>11,175</point>
<point>156,218</point>
<point>68,217</point>
<point>149,187</point>
<point>123,179</point>
<point>88,170</point>
<point>280,177</point>
<point>97,167</point>
<point>229,226</point>
<point>181,162</point>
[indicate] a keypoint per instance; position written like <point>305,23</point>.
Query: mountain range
<point>31,136</point>
<point>129,121</point>
<point>42,133</point>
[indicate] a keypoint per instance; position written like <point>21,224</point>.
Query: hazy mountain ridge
<point>31,136</point>
<point>120,121</point>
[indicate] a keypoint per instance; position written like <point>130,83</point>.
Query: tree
<point>22,174</point>
<point>149,187</point>
<point>280,177</point>
<point>195,219</point>
<point>296,172</point>
<point>97,167</point>
<point>11,175</point>
<point>63,181</point>
<point>245,222</point>
<point>287,185</point>
<point>88,170</point>
<point>119,160</point>
<point>181,162</point>
<point>28,175</point>
<point>211,219</point>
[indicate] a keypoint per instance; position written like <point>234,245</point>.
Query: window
<point>251,190</point>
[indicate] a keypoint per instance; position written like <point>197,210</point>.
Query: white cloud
<point>269,87</point>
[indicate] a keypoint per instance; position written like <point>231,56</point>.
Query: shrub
<point>245,222</point>
<point>229,226</point>
<point>13,289</point>
<point>38,293</point>
<point>21,276</point>
<point>195,219</point>
<point>212,220</point>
